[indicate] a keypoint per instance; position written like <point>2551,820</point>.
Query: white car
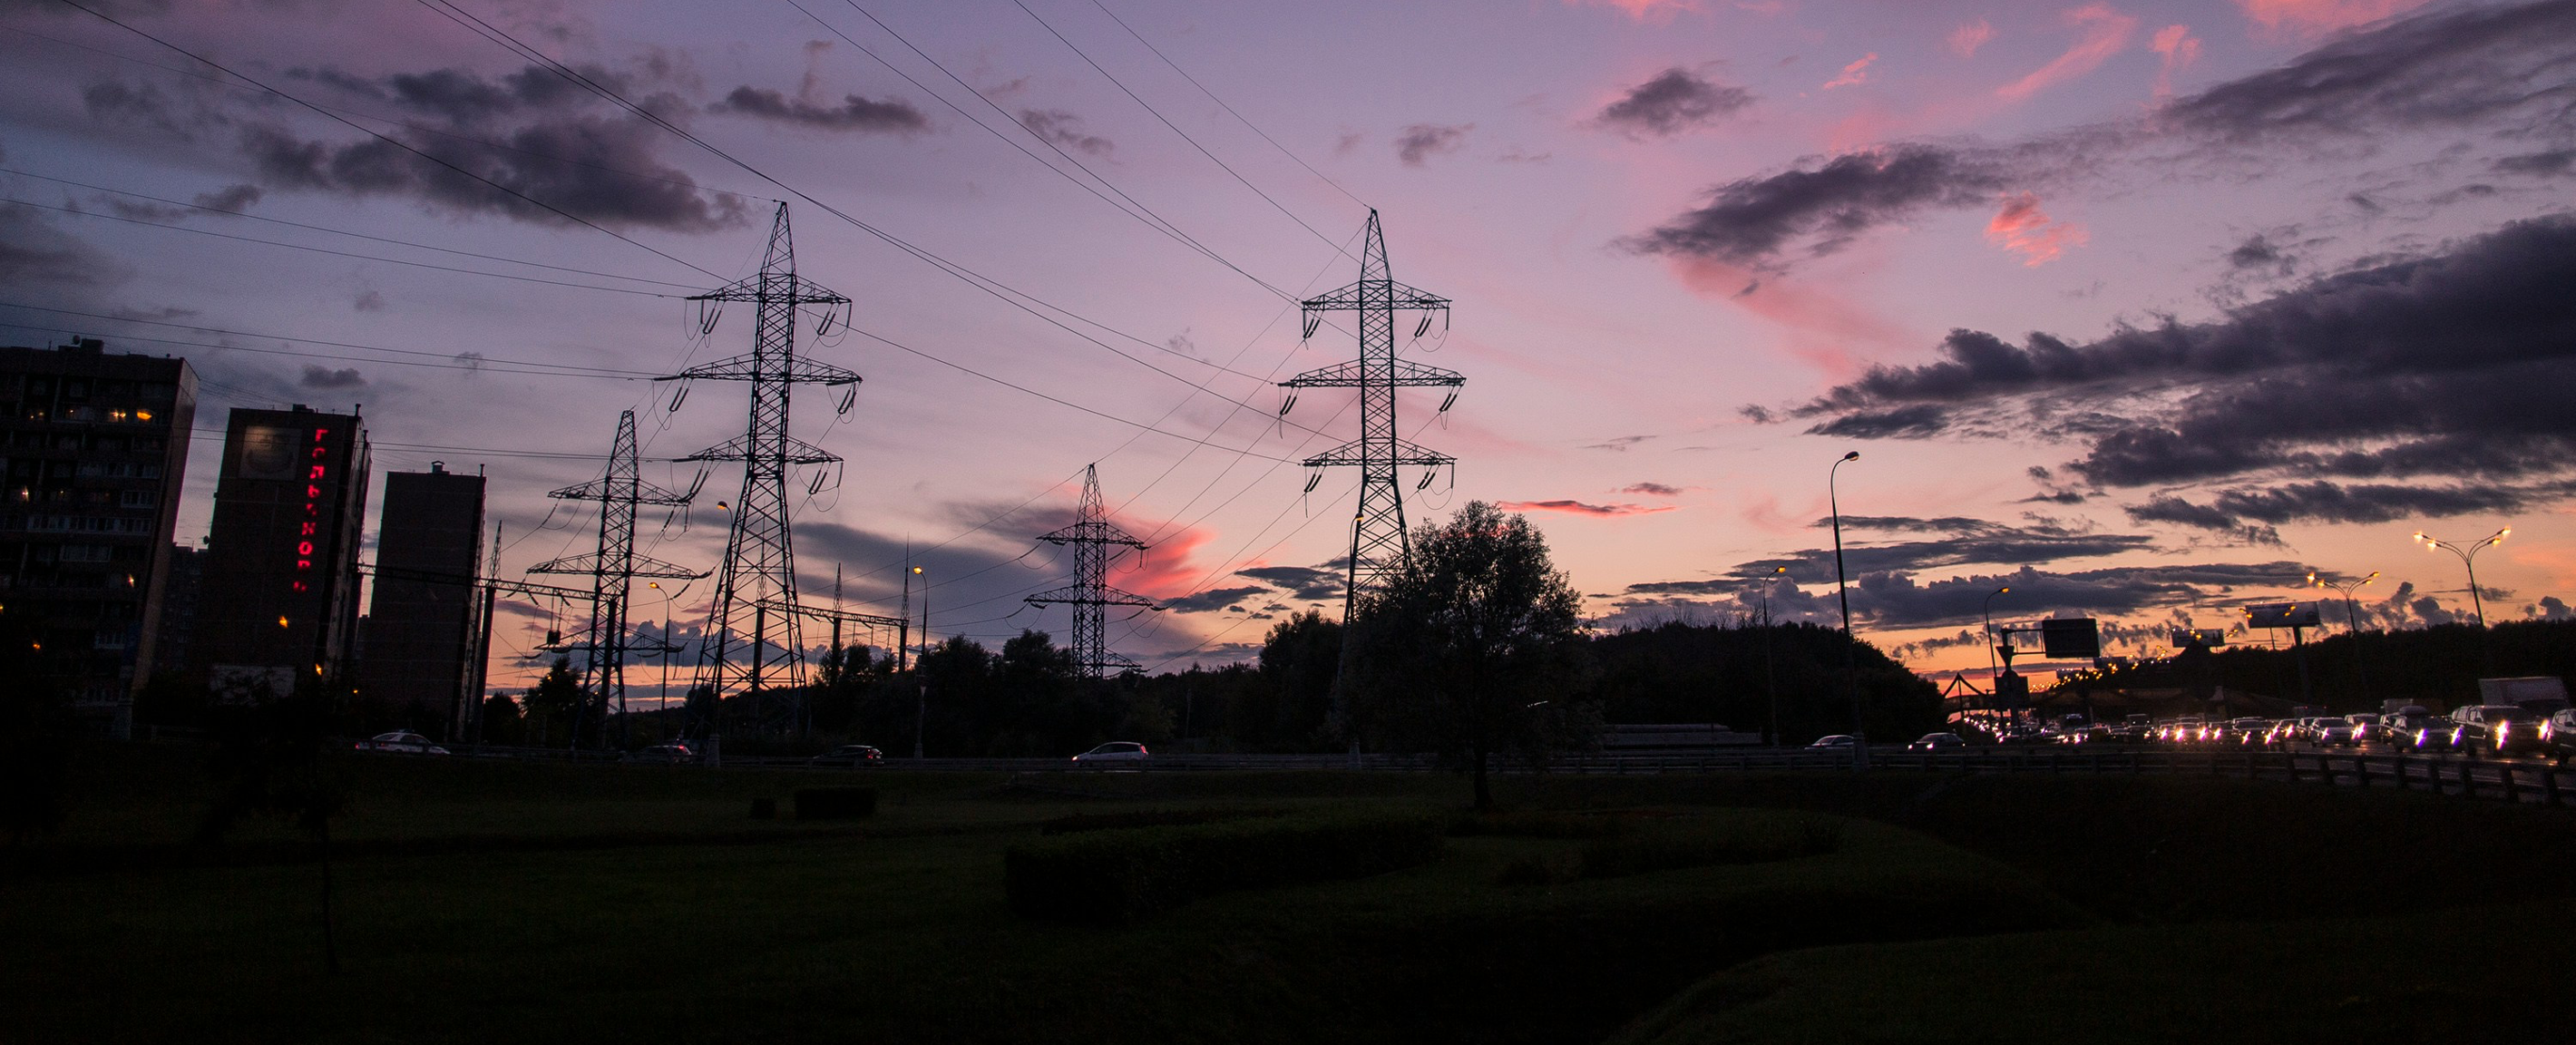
<point>404,741</point>
<point>1116,751</point>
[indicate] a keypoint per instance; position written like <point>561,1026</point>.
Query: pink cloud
<point>1855,73</point>
<point>1823,327</point>
<point>2322,16</point>
<point>1652,489</point>
<point>1965,39</point>
<point>2179,49</point>
<point>2106,33</point>
<point>2022,229</point>
<point>1580,508</point>
<point>1658,11</point>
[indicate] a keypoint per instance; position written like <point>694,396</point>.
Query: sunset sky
<point>2145,310</point>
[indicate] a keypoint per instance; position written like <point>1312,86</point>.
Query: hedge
<point>835,803</point>
<point>1107,877</point>
<point>1080,822</point>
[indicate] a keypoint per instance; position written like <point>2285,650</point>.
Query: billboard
<point>2186,638</point>
<point>2071,638</point>
<point>2282,615</point>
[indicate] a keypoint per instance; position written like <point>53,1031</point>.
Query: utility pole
<point>758,580</point>
<point>1092,536</point>
<point>613,567</point>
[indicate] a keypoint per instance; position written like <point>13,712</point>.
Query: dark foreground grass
<point>484,903</point>
<point>904,935</point>
<point>2487,974</point>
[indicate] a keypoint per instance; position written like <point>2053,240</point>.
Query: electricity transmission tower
<point>1379,544</point>
<point>613,568</point>
<point>754,635</point>
<point>1092,536</point>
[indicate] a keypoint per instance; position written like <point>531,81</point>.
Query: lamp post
<point>2352,623</point>
<point>1991,672</point>
<point>1770,674</point>
<point>921,688</point>
<point>1842,590</point>
<point>2468,558</point>
<point>662,703</point>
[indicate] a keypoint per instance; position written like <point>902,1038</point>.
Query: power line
<point>341,232</point>
<point>1194,82</point>
<point>482,364</point>
<point>334,253</point>
<point>1185,136</point>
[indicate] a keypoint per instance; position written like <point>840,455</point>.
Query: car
<point>852,755</point>
<point>1835,741</point>
<point>2558,734</point>
<point>2335,732</point>
<point>2504,728</point>
<point>403,742</point>
<point>2366,727</point>
<point>1116,751</point>
<point>1938,742</point>
<point>675,753</point>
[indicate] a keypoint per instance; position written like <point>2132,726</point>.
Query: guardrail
<point>2517,781</point>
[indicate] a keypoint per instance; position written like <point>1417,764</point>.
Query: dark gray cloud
<point>231,198</point>
<point>1652,489</point>
<point>323,379</point>
<point>1899,599</point>
<point>2551,164</point>
<point>1065,130</point>
<point>1751,221</point>
<point>1674,101</point>
<point>1963,542</point>
<point>2327,501</point>
<point>855,113</point>
<point>34,255</point>
<point>2449,68</point>
<point>1422,141</point>
<point>2452,364</point>
<point>1228,599</point>
<point>601,169</point>
<point>1303,582</point>
<point>2499,70</point>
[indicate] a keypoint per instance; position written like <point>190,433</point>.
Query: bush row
<point>835,803</point>
<point>1106,877</point>
<point>1080,822</point>
<point>1681,846</point>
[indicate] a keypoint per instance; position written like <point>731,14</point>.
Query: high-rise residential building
<point>422,633</point>
<point>279,602</point>
<point>94,444</point>
<point>179,587</point>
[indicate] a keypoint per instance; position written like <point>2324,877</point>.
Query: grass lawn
<point>483,902</point>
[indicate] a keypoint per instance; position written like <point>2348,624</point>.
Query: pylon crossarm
<point>797,369</point>
<point>844,616</point>
<point>1365,452</point>
<point>742,448</point>
<point>1374,293</point>
<point>1403,373</point>
<point>775,288</point>
<point>602,489</point>
<point>641,566</point>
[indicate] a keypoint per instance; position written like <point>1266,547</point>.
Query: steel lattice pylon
<point>1092,536</point>
<point>757,584</point>
<point>1379,544</point>
<point>612,569</point>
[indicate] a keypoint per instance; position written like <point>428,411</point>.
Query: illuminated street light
<point>1992,673</point>
<point>2352,622</point>
<point>2468,557</point>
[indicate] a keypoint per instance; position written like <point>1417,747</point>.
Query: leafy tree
<point>501,720</point>
<point>1470,650</point>
<point>1301,658</point>
<point>554,704</point>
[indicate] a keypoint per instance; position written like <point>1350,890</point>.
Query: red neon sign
<point>306,532</point>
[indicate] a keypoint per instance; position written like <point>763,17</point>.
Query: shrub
<point>1080,822</point>
<point>1106,877</point>
<point>1538,824</point>
<point>835,803</point>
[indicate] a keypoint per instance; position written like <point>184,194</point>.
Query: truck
<point>2541,693</point>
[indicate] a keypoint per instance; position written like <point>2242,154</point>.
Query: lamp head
<point>1852,456</point>
<point>723,507</point>
<point>916,570</point>
<point>2374,575</point>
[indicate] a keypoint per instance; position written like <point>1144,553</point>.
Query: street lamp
<point>1842,590</point>
<point>921,688</point>
<point>1770,675</point>
<point>663,703</point>
<point>2352,622</point>
<point>2468,557</point>
<point>1991,672</point>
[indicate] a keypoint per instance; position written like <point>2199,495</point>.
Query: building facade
<point>422,624</point>
<point>95,445</point>
<point>279,597</point>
